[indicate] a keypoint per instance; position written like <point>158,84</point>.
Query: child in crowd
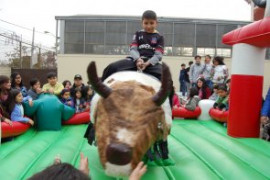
<point>222,101</point>
<point>175,99</point>
<point>265,115</point>
<point>17,83</point>
<point>228,84</point>
<point>67,84</point>
<point>214,95</point>
<point>204,90</point>
<point>35,89</point>
<point>192,101</point>
<point>65,98</point>
<point>146,50</point>
<point>79,101</point>
<point>183,79</point>
<point>16,108</point>
<point>195,71</point>
<point>219,72</point>
<point>52,87</point>
<point>89,96</point>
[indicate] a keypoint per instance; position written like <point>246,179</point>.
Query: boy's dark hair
<point>65,83</point>
<point>190,63</point>
<point>51,74</point>
<point>197,56</point>
<point>183,65</point>
<point>219,59</point>
<point>215,86</point>
<point>4,79</point>
<point>223,87</point>
<point>193,92</point>
<point>208,56</point>
<point>33,82</point>
<point>64,91</point>
<point>228,81</point>
<point>59,172</point>
<point>149,14</point>
<point>13,77</point>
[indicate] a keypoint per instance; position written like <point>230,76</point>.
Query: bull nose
<point>119,154</point>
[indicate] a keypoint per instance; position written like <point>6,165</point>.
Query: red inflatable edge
<point>16,129</point>
<point>184,113</point>
<point>78,118</point>
<point>218,115</point>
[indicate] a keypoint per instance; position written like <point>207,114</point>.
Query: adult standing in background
<point>78,83</point>
<point>195,71</point>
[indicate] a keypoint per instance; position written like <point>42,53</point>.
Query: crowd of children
<point>13,93</point>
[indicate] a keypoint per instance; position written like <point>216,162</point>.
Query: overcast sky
<point>41,14</point>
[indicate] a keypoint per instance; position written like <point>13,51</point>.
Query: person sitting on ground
<point>67,84</point>
<point>222,101</point>
<point>204,90</point>
<point>17,83</point>
<point>78,83</point>
<point>65,98</point>
<point>192,101</point>
<point>35,89</point>
<point>16,108</point>
<point>79,101</point>
<point>214,95</point>
<point>52,87</point>
<point>146,50</point>
<point>265,117</point>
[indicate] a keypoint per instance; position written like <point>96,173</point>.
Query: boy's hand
<point>69,103</point>
<point>138,172</point>
<point>263,119</point>
<point>145,65</point>
<point>31,103</point>
<point>51,91</point>
<point>84,165</point>
<point>31,122</point>
<point>8,121</point>
<point>139,64</point>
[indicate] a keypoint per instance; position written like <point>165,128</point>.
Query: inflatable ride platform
<point>200,150</point>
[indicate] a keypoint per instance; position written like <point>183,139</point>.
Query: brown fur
<point>129,106</point>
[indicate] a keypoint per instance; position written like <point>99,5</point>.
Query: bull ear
<point>166,86</point>
<point>96,82</point>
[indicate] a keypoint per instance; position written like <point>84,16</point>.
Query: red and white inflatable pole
<point>245,101</point>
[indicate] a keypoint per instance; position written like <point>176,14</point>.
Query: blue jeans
<point>183,87</point>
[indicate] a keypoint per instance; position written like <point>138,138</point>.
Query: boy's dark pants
<point>130,65</point>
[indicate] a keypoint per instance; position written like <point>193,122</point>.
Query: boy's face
<point>66,95</point>
<point>36,86</point>
<point>149,25</point>
<point>207,59</point>
<point>198,60</point>
<point>78,82</point>
<point>52,81</point>
<point>183,67</point>
<point>19,98</point>
<point>222,93</point>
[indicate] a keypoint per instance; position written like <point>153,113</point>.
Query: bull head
<point>128,120</point>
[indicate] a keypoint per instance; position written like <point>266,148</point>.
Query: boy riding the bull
<point>146,50</point>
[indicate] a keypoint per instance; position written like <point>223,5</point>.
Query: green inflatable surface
<point>200,150</point>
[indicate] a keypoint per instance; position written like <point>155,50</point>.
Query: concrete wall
<point>69,65</point>
<point>5,70</point>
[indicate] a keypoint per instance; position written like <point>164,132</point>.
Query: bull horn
<point>166,86</point>
<point>96,82</point>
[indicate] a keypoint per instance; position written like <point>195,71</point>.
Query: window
<point>225,52</point>
<point>168,51</point>
<point>206,51</point>
<point>182,51</point>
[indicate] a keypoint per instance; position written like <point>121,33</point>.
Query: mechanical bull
<point>131,113</point>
